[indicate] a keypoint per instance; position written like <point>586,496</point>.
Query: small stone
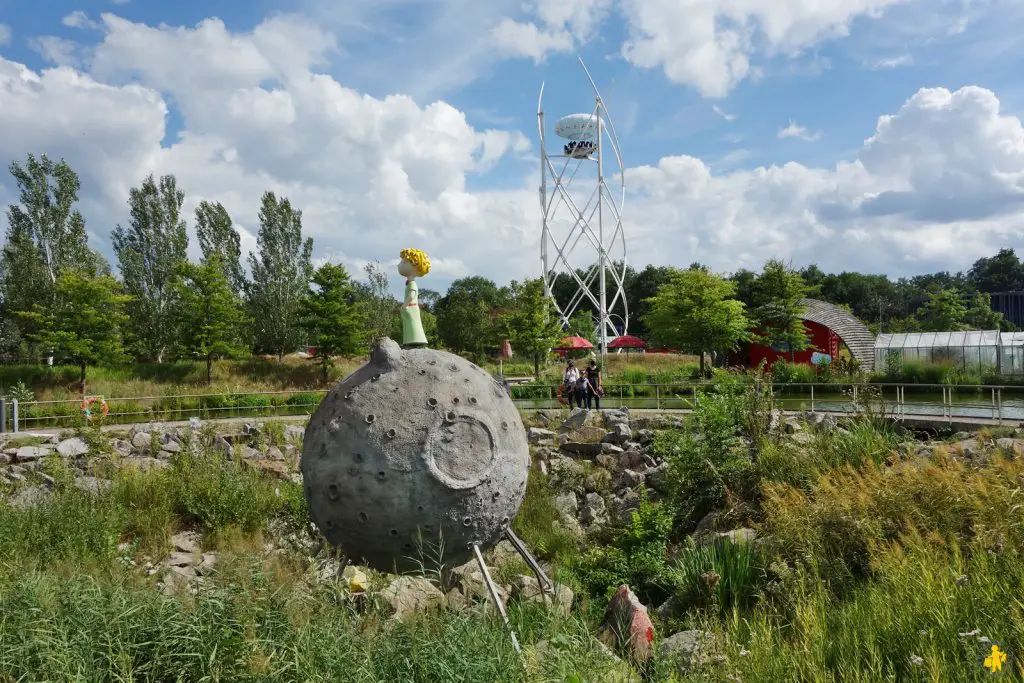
<point>620,434</point>
<point>29,497</point>
<point>527,589</point>
<point>182,559</point>
<point>567,504</point>
<point>577,418</point>
<point>293,433</point>
<point>630,479</point>
<point>48,481</point>
<point>207,565</point>
<point>224,446</point>
<point>4,458</point>
<point>121,446</point>
<point>537,435</point>
<point>93,485</point>
<point>274,453</point>
<point>585,450</point>
<point>185,542</point>
<point>627,625</point>
<point>593,510</point>
<point>31,453</point>
<point>171,446</point>
<point>141,441</point>
<point>71,448</point>
<point>248,453</point>
<point>407,595</point>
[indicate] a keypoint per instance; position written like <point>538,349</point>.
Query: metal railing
<point>945,402</point>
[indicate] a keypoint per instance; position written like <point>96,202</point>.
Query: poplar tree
<point>150,251</point>
<point>45,237</point>
<point>217,236</point>
<point>280,276</point>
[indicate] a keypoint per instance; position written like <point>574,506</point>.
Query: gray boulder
<point>73,447</point>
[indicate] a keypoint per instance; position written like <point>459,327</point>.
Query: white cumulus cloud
<point>795,130</point>
<point>938,184</point>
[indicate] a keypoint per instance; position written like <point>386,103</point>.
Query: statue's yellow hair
<point>418,258</point>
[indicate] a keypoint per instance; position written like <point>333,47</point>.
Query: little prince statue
<point>414,264</point>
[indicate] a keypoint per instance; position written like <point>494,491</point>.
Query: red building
<point>821,339</point>
<point>829,329</point>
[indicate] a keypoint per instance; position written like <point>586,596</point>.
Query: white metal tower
<point>587,234</point>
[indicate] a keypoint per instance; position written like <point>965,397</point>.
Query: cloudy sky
<point>877,135</point>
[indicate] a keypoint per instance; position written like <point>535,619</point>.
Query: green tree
<point>468,316</point>
<point>1003,272</point>
<point>980,315</point>
<point>150,252</point>
<point>695,311</point>
<point>280,276</point>
<point>85,324</point>
<point>379,308</point>
<point>45,237</point>
<point>212,315</point>
<point>582,324</point>
<point>531,322</point>
<point>943,311</point>
<point>217,235</point>
<point>330,316</point>
<point>776,307</point>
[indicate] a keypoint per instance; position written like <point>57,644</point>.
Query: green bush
<point>634,555</point>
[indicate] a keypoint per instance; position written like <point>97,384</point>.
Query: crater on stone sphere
<point>441,465</point>
<point>462,452</point>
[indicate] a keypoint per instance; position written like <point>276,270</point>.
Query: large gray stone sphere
<point>413,458</point>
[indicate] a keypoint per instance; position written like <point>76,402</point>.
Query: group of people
<point>583,386</point>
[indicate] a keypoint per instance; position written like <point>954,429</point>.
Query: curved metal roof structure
<point>848,328</point>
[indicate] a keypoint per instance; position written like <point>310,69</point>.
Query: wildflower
<point>916,661</point>
<point>961,580</point>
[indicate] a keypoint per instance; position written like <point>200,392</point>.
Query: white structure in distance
<point>581,227</point>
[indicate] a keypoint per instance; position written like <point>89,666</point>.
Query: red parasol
<point>627,342</point>
<point>571,343</point>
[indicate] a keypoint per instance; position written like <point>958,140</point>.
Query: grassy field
<point>876,561</point>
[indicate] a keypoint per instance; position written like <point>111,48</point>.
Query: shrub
<point>633,555</point>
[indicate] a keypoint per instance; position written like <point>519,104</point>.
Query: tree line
<point>61,301</point>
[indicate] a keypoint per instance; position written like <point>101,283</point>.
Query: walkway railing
<point>944,402</point>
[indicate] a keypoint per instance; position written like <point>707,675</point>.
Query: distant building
<point>828,329</point>
<point>1011,305</point>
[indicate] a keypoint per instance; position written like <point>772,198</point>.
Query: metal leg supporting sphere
<point>546,586</point>
<point>493,590</point>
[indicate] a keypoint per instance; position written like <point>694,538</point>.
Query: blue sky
<point>828,79</point>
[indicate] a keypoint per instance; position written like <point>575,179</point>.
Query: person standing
<point>580,390</point>
<point>594,386</point>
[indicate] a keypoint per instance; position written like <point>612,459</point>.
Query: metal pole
<point>14,415</point>
<point>492,589</point>
<point>999,403</point>
<point>657,396</point>
<point>543,197</point>
<point>3,415</point>
<point>600,236</point>
<point>812,398</point>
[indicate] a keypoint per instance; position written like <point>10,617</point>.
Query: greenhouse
<point>980,351</point>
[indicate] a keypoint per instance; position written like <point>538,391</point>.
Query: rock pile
<point>143,447</point>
